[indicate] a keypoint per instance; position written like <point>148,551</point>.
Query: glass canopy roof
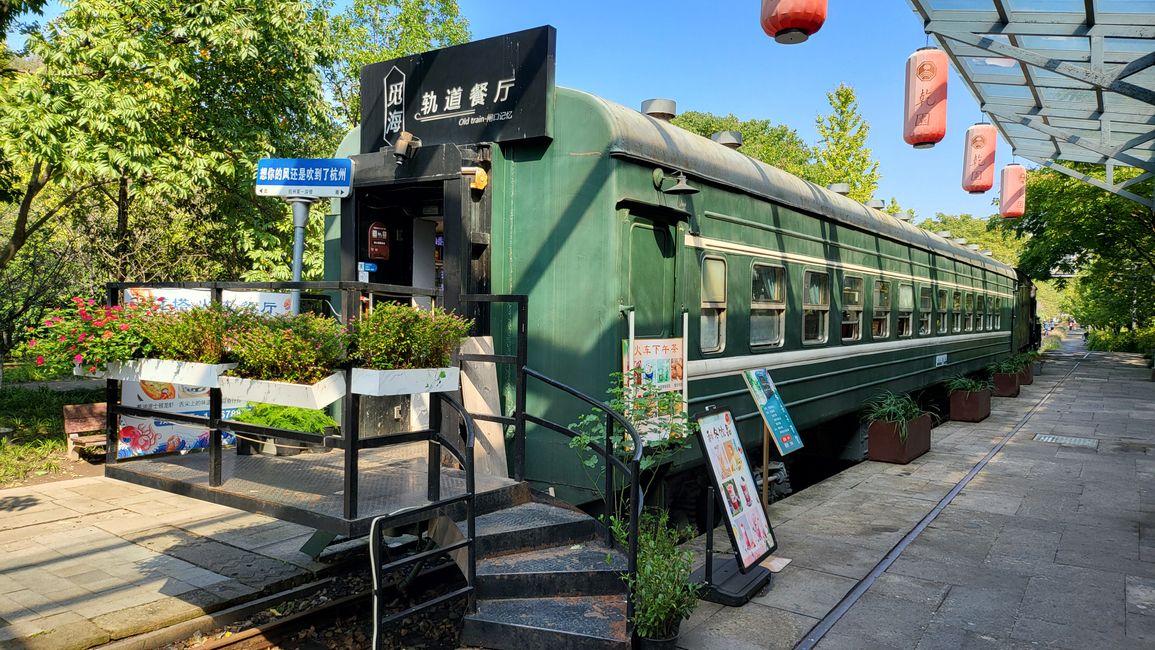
<point>1062,80</point>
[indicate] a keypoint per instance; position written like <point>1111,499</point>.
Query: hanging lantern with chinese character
<point>792,21</point>
<point>1013,191</point>
<point>979,159</point>
<point>926,72</point>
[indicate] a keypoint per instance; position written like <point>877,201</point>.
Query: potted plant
<point>1005,376</point>
<point>291,418</point>
<point>1037,360</point>
<point>970,399</point>
<point>87,338</point>
<point>662,590</point>
<point>186,346</point>
<point>1026,368</point>
<point>286,359</point>
<point>899,430</point>
<point>399,350</point>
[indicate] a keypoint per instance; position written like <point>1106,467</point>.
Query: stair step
<point>530,526</point>
<point>581,623</point>
<point>585,569</point>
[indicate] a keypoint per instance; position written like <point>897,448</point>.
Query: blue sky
<point>714,57</point>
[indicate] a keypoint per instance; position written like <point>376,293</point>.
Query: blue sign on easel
<point>773,411</point>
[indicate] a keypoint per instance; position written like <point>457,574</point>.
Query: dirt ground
<point>82,468</point>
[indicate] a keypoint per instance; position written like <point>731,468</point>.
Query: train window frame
<point>716,307</point>
<point>980,313</point>
<point>956,304</point>
<point>990,313</point>
<point>905,321</point>
<point>778,305</point>
<point>850,315</point>
<point>999,313</point>
<point>883,314</point>
<point>925,307</point>
<point>942,323</point>
<point>822,308</point>
<point>969,312</point>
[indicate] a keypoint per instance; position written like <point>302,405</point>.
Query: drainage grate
<point>1089,443</point>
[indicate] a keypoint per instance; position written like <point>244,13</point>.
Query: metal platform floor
<point>306,489</point>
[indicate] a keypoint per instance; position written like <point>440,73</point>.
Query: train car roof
<point>641,137</point>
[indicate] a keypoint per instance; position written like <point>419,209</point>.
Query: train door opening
<point>652,266</point>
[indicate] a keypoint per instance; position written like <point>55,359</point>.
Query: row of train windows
<point>966,313</point>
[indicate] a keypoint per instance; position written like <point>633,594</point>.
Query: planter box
<point>967,406</point>
<point>1006,384</point>
<point>1026,376</point>
<point>405,382</point>
<point>310,396</point>
<point>1037,368</point>
<point>886,447</point>
<point>186,373</point>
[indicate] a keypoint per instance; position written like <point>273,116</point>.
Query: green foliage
<point>773,144</point>
<point>37,440</point>
<point>967,384</point>
<point>1008,366</point>
<point>299,349</point>
<point>291,418</point>
<point>369,31</point>
<point>662,590</point>
<point>1141,340</point>
<point>395,336</point>
<point>1051,342</point>
<point>196,334</point>
<point>841,155</point>
<point>986,232</point>
<point>89,334</point>
<point>893,407</point>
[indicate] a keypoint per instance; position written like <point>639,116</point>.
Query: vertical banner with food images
<point>660,363</point>
<point>750,530</point>
<point>141,436</point>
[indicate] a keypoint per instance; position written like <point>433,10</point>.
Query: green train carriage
<point>839,300</point>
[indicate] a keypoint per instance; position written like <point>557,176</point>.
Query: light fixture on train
<point>405,146</point>
<point>924,118</point>
<point>792,21</point>
<point>680,186</point>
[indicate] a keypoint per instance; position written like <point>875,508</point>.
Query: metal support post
<point>215,450</point>
<point>300,220</point>
<point>350,431</point>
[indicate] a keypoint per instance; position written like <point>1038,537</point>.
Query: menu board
<point>750,530</point>
<point>773,411</point>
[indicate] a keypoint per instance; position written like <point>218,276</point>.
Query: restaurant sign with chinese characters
<point>494,90</point>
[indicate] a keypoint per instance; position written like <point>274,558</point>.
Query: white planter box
<point>186,373</point>
<point>312,396</point>
<point>405,382</point>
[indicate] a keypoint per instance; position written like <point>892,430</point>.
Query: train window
<point>940,316</point>
<point>905,309</point>
<point>998,313</point>
<point>990,313</point>
<point>851,309</point>
<point>979,313</point>
<point>815,307</point>
<point>970,312</point>
<point>880,324</point>
<point>925,306</point>
<point>767,305</point>
<point>713,325</point>
<point>956,312</point>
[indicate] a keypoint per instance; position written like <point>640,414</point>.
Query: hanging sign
<point>304,177</point>
<point>660,363</point>
<point>773,411</point>
<point>750,531</point>
<point>493,90</point>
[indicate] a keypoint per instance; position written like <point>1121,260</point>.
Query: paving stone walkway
<point>1049,546</point>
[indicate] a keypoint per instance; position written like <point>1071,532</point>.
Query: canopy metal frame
<point>1059,84</point>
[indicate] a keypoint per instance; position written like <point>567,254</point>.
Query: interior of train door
<point>652,274</point>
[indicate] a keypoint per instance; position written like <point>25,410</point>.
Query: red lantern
<point>792,21</point>
<point>979,159</point>
<point>1013,192</point>
<point>926,72</point>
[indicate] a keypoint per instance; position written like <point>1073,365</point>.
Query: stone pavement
<point>1050,545</point>
<point>90,560</point>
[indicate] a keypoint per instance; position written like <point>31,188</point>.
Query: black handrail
<point>633,472</point>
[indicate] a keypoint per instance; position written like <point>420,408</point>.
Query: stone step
<point>569,623</point>
<point>583,569</point>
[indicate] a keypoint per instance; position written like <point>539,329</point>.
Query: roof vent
<point>986,253</point>
<point>660,109</point>
<point>839,188</point>
<point>973,247</point>
<point>945,234</point>
<point>877,204</point>
<point>959,240</point>
<point>730,139</point>
<point>908,215</point>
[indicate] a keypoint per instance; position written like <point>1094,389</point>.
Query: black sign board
<point>494,90</point>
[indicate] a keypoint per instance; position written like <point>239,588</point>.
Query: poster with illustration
<point>750,530</point>
<point>145,436</point>
<point>773,410</point>
<point>660,362</point>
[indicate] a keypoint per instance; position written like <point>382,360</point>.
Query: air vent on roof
<point>945,234</point>
<point>661,109</point>
<point>731,139</point>
<point>839,188</point>
<point>877,204</point>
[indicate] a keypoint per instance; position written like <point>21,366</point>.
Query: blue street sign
<point>308,177</point>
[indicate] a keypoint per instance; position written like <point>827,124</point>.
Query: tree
<point>1004,246</point>
<point>378,30</point>
<point>893,208</point>
<point>773,144</point>
<point>841,155</point>
<point>150,102</point>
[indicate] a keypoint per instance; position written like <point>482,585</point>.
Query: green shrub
<point>893,407</point>
<point>968,384</point>
<point>1051,342</point>
<point>196,334</point>
<point>1140,340</point>
<point>301,349</point>
<point>286,417</point>
<point>396,337</point>
<point>1008,366</point>
<point>663,593</point>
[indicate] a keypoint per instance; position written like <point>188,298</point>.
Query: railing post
<point>611,502</point>
<point>519,415</point>
<point>434,473</point>
<point>350,431</point>
<point>111,399</point>
<point>215,448</point>
<point>470,518</point>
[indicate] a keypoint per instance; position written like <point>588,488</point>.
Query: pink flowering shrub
<point>89,335</point>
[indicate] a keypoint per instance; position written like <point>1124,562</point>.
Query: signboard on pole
<point>750,531</point>
<point>773,411</point>
<point>304,177</point>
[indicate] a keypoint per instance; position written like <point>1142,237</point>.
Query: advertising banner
<point>773,411</point>
<point>660,363</point>
<point>750,530</point>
